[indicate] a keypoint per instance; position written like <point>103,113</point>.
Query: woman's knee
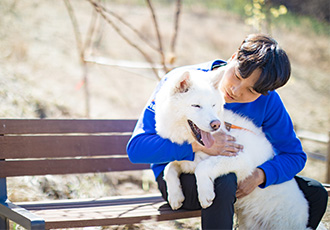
<point>226,185</point>
<point>312,189</point>
<point>322,195</point>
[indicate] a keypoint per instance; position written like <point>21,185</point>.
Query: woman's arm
<point>145,146</point>
<point>289,157</point>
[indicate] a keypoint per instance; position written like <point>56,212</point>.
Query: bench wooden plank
<point>327,187</point>
<point>67,166</point>
<point>13,147</point>
<point>108,211</point>
<point>39,126</point>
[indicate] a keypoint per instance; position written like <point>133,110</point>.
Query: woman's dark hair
<point>262,51</point>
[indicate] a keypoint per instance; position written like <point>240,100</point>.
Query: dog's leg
<point>171,176</point>
<point>208,170</point>
<point>205,187</point>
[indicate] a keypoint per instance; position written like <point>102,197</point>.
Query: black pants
<point>220,214</point>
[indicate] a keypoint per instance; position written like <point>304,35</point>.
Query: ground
<point>40,76</point>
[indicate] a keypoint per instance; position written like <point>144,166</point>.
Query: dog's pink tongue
<point>207,139</point>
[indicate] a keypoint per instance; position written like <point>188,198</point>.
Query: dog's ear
<point>215,80</point>
<point>184,83</point>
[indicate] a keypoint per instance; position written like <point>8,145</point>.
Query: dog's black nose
<point>215,124</point>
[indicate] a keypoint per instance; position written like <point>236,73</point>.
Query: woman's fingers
<point>230,138</point>
<point>233,147</point>
<point>224,145</point>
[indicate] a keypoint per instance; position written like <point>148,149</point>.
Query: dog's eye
<point>213,105</point>
<point>195,105</point>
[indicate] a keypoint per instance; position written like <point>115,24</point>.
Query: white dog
<point>189,107</point>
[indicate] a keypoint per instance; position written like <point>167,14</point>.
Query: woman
<point>249,81</point>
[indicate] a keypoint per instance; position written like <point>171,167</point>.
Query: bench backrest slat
<point>37,126</point>
<point>66,166</point>
<point>13,147</point>
<point>41,147</point>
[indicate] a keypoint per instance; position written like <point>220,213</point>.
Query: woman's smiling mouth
<point>229,96</point>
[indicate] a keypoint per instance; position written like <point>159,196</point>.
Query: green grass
<point>290,20</point>
<point>303,23</point>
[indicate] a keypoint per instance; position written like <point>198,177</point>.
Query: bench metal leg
<point>4,223</point>
<point>3,189</point>
<point>20,216</point>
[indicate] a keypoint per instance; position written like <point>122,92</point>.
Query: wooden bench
<point>30,147</point>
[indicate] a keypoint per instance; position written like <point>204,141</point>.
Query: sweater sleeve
<point>146,146</point>
<point>289,156</point>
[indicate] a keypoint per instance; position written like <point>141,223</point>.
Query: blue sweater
<point>268,112</point>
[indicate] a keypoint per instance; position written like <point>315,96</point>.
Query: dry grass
<point>39,72</point>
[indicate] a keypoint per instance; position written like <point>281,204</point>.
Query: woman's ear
<point>232,57</point>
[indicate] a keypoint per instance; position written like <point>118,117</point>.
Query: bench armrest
<point>21,216</point>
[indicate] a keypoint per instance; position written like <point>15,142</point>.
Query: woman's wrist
<point>196,147</point>
<point>261,176</point>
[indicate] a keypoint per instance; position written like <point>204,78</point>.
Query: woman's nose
<point>236,90</point>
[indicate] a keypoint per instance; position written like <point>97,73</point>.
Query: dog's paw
<point>176,200</point>
<point>205,187</point>
<point>206,197</point>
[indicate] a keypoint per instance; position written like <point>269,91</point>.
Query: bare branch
<point>75,28</point>
<point>176,26</point>
<point>99,9</point>
<point>121,63</point>
<point>158,35</point>
<point>131,28</point>
<point>81,51</point>
<point>91,30</point>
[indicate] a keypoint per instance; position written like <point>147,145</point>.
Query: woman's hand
<point>224,145</point>
<point>247,186</point>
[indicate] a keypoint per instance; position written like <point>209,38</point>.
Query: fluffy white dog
<point>189,107</point>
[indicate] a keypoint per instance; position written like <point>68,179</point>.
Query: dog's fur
<point>194,96</point>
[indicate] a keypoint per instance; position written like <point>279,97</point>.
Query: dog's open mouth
<point>202,137</point>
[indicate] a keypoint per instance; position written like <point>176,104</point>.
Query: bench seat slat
<point>67,166</point>
<point>109,211</point>
<point>47,126</point>
<point>16,147</point>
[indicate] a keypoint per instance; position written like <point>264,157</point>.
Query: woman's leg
<point>317,198</point>
<point>189,189</point>
<point>220,214</point>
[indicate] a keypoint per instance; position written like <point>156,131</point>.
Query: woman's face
<point>237,89</point>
